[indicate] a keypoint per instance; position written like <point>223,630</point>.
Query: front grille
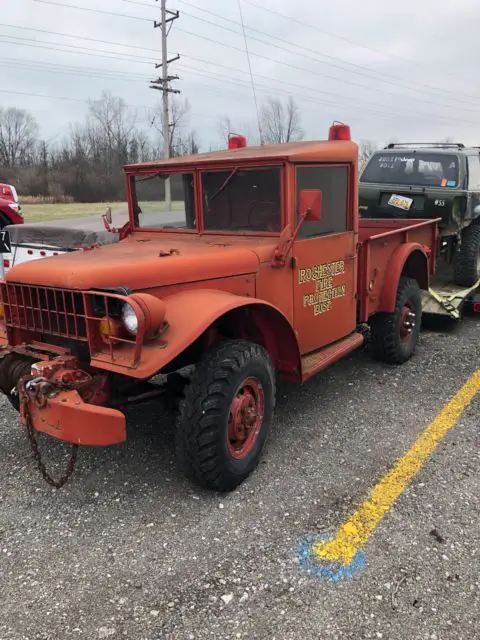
<point>55,312</point>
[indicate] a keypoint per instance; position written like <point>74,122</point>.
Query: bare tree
<point>178,112</point>
<point>366,149</point>
<point>18,137</point>
<point>226,126</point>
<point>280,122</point>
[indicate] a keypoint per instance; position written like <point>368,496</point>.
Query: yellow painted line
<point>354,532</point>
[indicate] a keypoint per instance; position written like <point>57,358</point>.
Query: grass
<point>65,211</point>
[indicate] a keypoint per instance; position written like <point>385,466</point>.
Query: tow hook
<point>39,389</point>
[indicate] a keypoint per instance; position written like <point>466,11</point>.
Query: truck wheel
<point>467,261</point>
<point>225,415</point>
<point>395,335</point>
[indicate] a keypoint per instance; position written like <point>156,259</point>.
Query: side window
<point>333,183</point>
<point>474,172</point>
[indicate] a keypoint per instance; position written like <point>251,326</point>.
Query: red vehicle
<point>10,209</point>
<point>262,269</point>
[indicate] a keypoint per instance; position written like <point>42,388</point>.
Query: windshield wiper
<point>225,184</point>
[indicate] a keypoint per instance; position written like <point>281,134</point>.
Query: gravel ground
<point>131,549</point>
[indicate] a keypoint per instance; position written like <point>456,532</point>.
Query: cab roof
<point>304,151</point>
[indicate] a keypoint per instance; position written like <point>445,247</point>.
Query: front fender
<point>189,314</point>
<point>410,260</point>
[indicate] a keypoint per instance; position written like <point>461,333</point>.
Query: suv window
<point>242,200</point>
<point>149,201</point>
<point>333,183</point>
<point>413,168</point>
<point>474,172</point>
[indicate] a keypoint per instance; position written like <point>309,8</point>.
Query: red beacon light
<point>339,131</point>
<point>236,141</point>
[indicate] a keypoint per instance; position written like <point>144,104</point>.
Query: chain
<point>58,484</point>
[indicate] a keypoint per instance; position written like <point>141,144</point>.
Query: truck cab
<point>259,268</point>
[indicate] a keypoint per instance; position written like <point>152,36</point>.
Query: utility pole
<point>163,84</point>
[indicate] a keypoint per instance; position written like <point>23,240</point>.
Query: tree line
<point>86,166</point>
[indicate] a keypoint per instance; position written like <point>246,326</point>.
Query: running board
<point>324,357</point>
<point>447,301</point>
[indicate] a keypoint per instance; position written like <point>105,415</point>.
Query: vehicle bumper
<point>68,418</point>
<point>13,216</point>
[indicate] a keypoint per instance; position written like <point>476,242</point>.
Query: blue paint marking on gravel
<point>311,564</point>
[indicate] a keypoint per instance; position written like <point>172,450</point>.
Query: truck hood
<point>139,262</point>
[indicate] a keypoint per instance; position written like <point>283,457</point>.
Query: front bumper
<point>67,417</point>
<point>60,399</point>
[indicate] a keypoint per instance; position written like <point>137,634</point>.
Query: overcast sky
<point>403,69</point>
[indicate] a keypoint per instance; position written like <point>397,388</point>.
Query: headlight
<point>16,207</point>
<point>129,318</point>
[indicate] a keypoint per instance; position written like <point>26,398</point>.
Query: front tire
<point>225,415</point>
<point>395,335</point>
<point>467,260</point>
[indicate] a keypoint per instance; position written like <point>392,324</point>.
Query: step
<point>324,357</point>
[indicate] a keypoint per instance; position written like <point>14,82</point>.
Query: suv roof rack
<point>447,145</point>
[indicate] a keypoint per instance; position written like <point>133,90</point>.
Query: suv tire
<point>395,335</point>
<point>466,269</point>
<point>225,415</point>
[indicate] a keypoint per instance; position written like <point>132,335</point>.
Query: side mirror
<point>310,205</point>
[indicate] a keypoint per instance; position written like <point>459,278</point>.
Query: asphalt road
<point>119,218</point>
<point>129,549</point>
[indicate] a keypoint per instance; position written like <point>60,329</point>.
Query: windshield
<point>412,168</point>
<point>242,200</point>
<point>150,208</point>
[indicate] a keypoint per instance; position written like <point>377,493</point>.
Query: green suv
<point>430,181</point>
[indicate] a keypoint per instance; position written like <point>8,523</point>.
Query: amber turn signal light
<point>111,328</point>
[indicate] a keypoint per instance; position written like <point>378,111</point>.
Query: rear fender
<point>191,313</point>
<point>411,260</point>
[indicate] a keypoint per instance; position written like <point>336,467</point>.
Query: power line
<point>388,77</point>
<point>421,88</point>
<point>90,9</point>
<point>259,122</point>
<point>84,100</point>
<point>319,75</point>
<point>104,54</point>
<point>196,72</point>
<point>205,73</point>
<point>27,42</point>
<point>338,37</point>
<point>72,35</point>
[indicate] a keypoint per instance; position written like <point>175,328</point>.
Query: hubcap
<point>407,321</point>
<point>245,418</point>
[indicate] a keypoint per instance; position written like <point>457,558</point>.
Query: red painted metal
<point>213,285</point>
<point>476,307</point>
<point>245,418</point>
<point>68,418</point>
<point>71,315</point>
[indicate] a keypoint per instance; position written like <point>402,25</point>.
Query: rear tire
<point>467,261</point>
<point>395,335</point>
<point>225,415</point>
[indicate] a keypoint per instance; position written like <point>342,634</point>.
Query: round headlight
<point>129,318</point>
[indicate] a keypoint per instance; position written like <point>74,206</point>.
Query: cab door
<point>325,278</point>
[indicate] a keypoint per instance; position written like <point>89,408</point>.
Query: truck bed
<point>378,241</point>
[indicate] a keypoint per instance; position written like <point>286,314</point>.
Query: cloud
<point>391,70</point>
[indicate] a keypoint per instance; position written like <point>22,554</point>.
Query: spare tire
<point>466,271</point>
